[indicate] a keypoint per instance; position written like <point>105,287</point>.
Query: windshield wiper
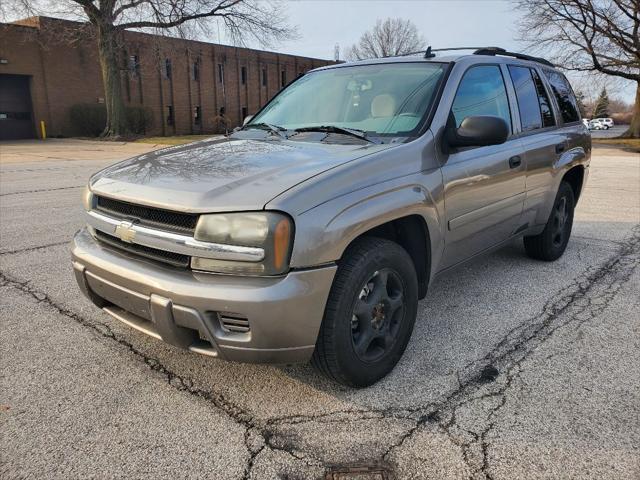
<point>354,132</point>
<point>277,129</point>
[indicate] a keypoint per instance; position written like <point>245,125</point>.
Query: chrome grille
<point>149,216</point>
<point>171,258</point>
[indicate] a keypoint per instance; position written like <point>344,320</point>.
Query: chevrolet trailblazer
<point>311,232</point>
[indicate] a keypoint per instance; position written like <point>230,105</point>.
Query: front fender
<point>324,232</point>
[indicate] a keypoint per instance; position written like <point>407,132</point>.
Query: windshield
<point>384,99</point>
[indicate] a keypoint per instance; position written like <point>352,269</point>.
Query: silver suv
<point>312,232</point>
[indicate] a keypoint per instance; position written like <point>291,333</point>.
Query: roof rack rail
<point>502,51</point>
<point>428,53</point>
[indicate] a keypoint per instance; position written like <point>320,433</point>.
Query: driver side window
<point>481,92</point>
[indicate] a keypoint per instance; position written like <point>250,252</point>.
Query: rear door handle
<point>560,148</point>
<point>515,161</point>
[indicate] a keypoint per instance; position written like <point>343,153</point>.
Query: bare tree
<point>589,36</point>
<point>393,36</point>
<point>259,20</point>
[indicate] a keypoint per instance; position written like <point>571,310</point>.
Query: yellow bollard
<point>43,130</point>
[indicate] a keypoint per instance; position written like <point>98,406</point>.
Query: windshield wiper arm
<point>354,132</point>
<point>277,129</point>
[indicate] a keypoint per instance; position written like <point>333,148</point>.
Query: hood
<point>221,175</point>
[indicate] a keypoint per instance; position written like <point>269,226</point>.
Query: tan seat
<point>383,105</point>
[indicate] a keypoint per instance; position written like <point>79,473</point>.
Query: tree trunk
<point>634,129</point>
<point>109,63</point>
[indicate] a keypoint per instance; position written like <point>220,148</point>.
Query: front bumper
<point>279,316</point>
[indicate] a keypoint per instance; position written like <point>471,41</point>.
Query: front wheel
<point>552,242</point>
<point>369,315</point>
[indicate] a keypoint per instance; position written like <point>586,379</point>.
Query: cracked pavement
<point>516,368</point>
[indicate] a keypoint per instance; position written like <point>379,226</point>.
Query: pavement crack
<point>41,190</point>
<point>179,382</point>
<point>493,376</point>
<point>33,249</point>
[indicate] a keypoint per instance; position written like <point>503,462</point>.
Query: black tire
<point>369,315</point>
<point>552,242</point>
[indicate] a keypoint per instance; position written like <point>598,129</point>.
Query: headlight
<point>87,199</point>
<point>270,231</point>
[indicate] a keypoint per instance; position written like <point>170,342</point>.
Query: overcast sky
<point>444,23</point>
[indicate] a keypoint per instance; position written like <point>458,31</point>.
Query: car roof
<point>473,58</point>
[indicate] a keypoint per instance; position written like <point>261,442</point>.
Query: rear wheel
<point>370,313</point>
<point>552,242</point>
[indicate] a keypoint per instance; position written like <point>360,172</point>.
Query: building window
<point>245,113</point>
<point>167,69</point>
<point>170,119</point>
<point>283,78</point>
<point>243,75</point>
<point>221,73</point>
<point>264,77</point>
<point>134,65</point>
<point>195,70</point>
<point>197,115</point>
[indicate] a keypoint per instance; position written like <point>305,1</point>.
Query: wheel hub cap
<point>378,316</point>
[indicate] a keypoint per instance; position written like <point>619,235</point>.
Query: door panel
<point>484,198</point>
<point>483,186</point>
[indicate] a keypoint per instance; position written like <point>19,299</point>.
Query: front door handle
<point>515,161</point>
<point>560,148</point>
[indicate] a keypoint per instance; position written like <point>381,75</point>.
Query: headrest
<point>383,105</point>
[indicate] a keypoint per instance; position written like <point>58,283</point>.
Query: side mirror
<point>247,119</point>
<point>478,131</point>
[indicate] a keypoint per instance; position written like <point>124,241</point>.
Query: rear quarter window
<point>564,95</point>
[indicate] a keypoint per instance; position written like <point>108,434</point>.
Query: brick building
<point>183,83</point>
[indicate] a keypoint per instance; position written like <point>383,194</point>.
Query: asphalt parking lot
<point>516,368</point>
<point>615,131</point>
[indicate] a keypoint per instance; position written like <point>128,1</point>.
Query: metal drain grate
<point>358,472</point>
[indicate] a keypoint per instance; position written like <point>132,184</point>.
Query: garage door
<point>16,120</point>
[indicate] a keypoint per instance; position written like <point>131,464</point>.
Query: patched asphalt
<point>516,368</point>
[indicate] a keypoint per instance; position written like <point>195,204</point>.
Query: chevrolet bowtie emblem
<point>125,232</point>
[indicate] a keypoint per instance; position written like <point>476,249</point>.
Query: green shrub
<point>89,119</point>
<point>139,119</point>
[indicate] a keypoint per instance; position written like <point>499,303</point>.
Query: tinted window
<point>564,95</point>
<point>527,96</point>
<point>481,92</point>
<point>543,99</point>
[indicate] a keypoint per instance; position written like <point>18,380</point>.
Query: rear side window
<point>481,92</point>
<point>564,95</point>
<point>533,101</point>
